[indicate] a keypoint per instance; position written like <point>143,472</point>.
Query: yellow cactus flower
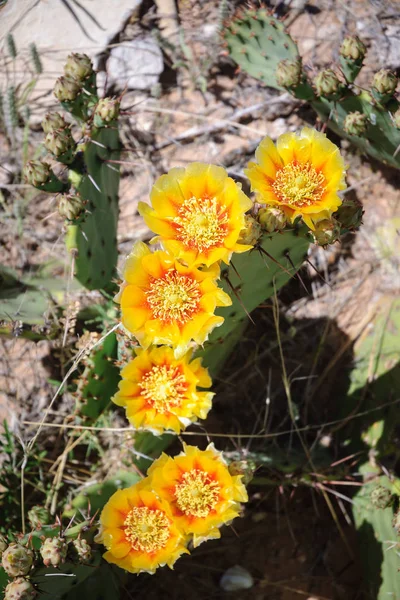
<point>198,214</point>
<point>302,175</point>
<point>164,302</point>
<point>203,495</point>
<point>138,530</point>
<point>160,392</point>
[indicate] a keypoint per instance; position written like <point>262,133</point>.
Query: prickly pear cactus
<point>375,375</point>
<point>259,44</point>
<point>250,280</point>
<point>88,197</point>
<point>99,379</point>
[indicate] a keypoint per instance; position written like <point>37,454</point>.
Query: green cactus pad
<point>99,380</point>
<point>256,279</point>
<point>257,43</point>
<point>95,239</point>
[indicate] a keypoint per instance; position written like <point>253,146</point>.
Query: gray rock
<point>236,578</point>
<point>135,64</point>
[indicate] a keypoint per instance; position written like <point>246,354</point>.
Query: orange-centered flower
<point>160,392</point>
<point>164,302</point>
<point>138,531</point>
<point>203,495</point>
<point>302,174</point>
<point>198,213</point>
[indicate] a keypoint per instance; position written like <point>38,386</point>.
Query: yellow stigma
<point>163,387</point>
<point>299,184</point>
<point>198,494</point>
<point>173,297</point>
<point>201,223</point>
<point>146,530</point>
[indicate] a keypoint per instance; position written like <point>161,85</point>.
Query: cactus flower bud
<point>66,89</point>
<point>54,551</point>
<point>349,214</point>
<point>384,82</point>
<point>353,49</point>
<point>17,560</point>
<point>272,218</point>
<point>53,121</point>
<point>83,549</point>
<point>355,123</point>
<point>107,110</point>
<point>78,66</point>
<point>381,497</point>
<point>326,232</point>
<point>59,142</point>
<point>36,172</point>
<point>327,83</point>
<point>251,231</point>
<point>244,468</point>
<point>38,516</point>
<point>288,73</point>
<point>3,544</point>
<point>19,589</point>
<point>71,207</point>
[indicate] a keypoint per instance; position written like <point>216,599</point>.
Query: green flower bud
<point>355,123</point>
<point>59,142</point>
<point>272,218</point>
<point>251,231</point>
<point>36,172</point>
<point>384,82</point>
<point>396,118</point>
<point>326,232</point>
<point>83,550</point>
<point>19,589</point>
<point>71,207</point>
<point>78,66</point>
<point>244,468</point>
<point>353,49</point>
<point>38,516</point>
<point>327,83</point>
<point>54,551</point>
<point>17,560</point>
<point>107,110</point>
<point>288,73</point>
<point>53,121</point>
<point>3,544</point>
<point>66,89</point>
<point>381,497</point>
<point>349,214</point>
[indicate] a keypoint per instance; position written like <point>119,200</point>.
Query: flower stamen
<point>174,297</point>
<point>201,223</point>
<point>163,387</point>
<point>147,530</point>
<point>197,494</point>
<point>299,184</point>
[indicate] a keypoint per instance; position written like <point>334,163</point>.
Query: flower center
<point>146,530</point>
<point>163,387</point>
<point>201,223</point>
<point>299,184</point>
<point>197,494</point>
<point>174,297</point>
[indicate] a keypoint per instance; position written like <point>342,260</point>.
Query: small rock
<point>236,578</point>
<point>135,64</point>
